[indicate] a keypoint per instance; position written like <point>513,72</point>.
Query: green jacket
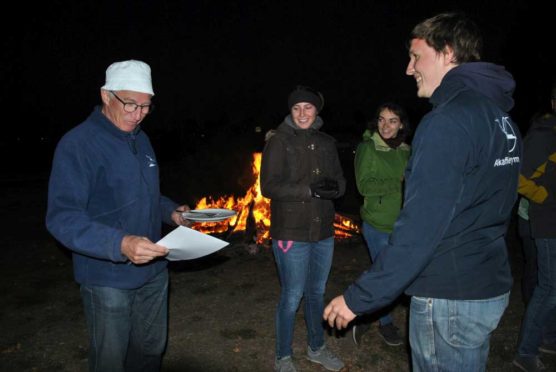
<point>379,173</point>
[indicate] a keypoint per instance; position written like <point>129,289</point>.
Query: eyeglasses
<point>132,107</point>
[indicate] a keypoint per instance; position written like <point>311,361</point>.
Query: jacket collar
<point>102,121</point>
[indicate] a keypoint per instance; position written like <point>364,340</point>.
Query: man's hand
<point>338,314</point>
<point>141,250</point>
<point>177,215</point>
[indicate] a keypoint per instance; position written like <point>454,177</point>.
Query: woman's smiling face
<point>389,124</point>
<point>304,114</point>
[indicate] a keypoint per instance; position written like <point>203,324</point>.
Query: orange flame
<point>254,209</point>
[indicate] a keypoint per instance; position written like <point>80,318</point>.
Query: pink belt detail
<point>289,244</point>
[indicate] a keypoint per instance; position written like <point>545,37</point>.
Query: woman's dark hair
<point>404,131</point>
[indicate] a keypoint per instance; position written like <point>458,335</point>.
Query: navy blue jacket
<point>461,186</point>
<point>104,185</point>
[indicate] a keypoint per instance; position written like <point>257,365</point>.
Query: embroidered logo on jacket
<point>151,161</point>
<point>506,127</point>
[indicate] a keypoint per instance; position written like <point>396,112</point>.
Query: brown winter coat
<point>292,160</point>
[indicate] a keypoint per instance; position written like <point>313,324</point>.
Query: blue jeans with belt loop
<point>127,327</point>
<point>453,335</point>
<point>303,268</point>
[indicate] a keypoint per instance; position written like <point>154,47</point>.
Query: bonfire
<point>253,213</point>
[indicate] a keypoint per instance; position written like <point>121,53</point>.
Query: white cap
<point>129,75</point>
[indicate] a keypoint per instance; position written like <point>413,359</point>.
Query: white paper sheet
<point>186,244</point>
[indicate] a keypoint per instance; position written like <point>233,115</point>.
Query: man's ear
<point>105,96</point>
<point>449,56</point>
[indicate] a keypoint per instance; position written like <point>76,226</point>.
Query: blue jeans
<point>303,268</point>
<point>452,335</point>
<point>539,323</point>
<point>376,242</point>
<point>127,327</point>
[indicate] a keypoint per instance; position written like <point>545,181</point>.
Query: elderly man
<point>104,204</point>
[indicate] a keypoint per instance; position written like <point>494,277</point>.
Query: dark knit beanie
<point>306,94</point>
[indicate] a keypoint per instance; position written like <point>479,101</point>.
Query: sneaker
<point>326,358</point>
<point>284,364</point>
<point>358,330</point>
<point>548,348</point>
<point>391,335</point>
<point>528,363</point>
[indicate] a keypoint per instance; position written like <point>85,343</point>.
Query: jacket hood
<point>369,135</point>
<point>488,79</point>
<point>317,124</point>
<point>288,126</point>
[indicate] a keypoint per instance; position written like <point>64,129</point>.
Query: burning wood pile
<point>253,214</point>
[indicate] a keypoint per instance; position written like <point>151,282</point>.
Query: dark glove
<point>326,188</point>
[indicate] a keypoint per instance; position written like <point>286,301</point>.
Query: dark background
<point>222,68</point>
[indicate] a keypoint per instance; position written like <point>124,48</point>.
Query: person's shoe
<point>326,358</point>
<point>284,365</point>
<point>391,334</point>
<point>528,363</point>
<point>358,330</point>
<point>548,348</point>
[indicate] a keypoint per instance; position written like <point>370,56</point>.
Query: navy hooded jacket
<point>461,186</point>
<point>104,185</point>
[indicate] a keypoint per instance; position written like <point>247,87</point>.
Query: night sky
<point>229,65</point>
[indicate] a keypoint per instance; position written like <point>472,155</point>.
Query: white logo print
<point>507,129</point>
<point>152,162</point>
